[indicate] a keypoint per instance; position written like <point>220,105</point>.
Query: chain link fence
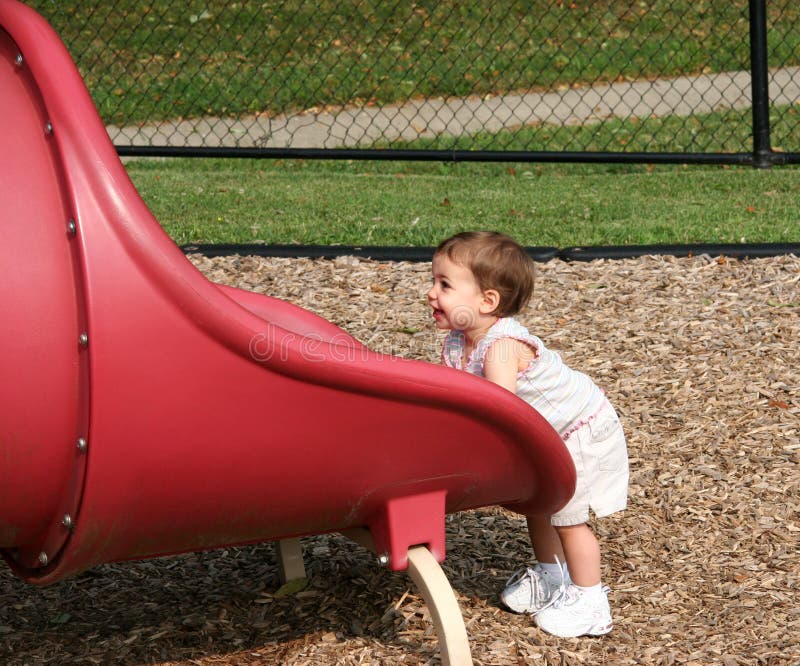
<point>543,79</point>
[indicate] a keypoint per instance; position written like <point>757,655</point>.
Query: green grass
<point>416,204</point>
<point>212,57</point>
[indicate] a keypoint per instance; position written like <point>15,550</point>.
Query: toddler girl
<point>480,280</point>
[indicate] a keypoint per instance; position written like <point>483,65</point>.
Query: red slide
<point>145,410</point>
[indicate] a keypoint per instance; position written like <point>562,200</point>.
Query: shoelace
<point>537,585</point>
<point>563,589</point>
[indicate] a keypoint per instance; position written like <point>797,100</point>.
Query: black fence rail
<point>555,80</point>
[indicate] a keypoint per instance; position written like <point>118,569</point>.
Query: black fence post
<point>762,151</point>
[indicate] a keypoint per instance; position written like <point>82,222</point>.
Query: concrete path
<point>354,126</point>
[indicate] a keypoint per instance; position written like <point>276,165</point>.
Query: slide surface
<point>148,411</point>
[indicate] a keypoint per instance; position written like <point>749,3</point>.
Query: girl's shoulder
<point>508,327</point>
<point>511,334</point>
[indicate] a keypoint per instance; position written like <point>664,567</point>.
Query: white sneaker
<point>531,589</point>
<point>576,613</point>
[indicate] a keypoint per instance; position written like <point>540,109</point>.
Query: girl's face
<point>456,298</point>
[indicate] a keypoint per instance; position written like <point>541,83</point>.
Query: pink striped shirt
<point>565,397</point>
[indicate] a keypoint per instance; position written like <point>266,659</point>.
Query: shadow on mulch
<point>211,605</point>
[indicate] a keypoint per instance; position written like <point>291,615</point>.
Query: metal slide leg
<point>290,560</point>
<point>439,597</point>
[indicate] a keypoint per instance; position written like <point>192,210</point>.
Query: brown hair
<point>498,262</point>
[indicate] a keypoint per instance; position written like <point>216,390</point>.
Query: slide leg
<point>438,594</point>
<point>290,560</point>
<point>441,600</point>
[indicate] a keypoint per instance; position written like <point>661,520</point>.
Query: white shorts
<point>600,455</point>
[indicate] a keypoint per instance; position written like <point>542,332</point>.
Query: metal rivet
<point>383,559</point>
<point>19,59</point>
<point>43,558</point>
<point>82,444</point>
<point>72,227</point>
<point>48,128</point>
<point>84,340</point>
<point>67,521</point>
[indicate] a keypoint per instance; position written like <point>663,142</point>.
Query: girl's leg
<point>545,540</point>
<point>583,609</point>
<point>531,589</point>
<point>582,553</point>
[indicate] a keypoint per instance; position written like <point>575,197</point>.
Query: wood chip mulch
<point>701,358</point>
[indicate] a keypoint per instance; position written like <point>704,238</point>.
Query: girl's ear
<point>490,301</point>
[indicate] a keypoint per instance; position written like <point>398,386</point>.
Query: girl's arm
<point>504,360</point>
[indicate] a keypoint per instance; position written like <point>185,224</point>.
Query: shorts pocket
<point>608,443</point>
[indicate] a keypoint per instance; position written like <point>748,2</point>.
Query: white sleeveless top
<point>565,397</point>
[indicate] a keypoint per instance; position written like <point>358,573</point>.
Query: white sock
<point>554,569</point>
<point>591,590</point>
